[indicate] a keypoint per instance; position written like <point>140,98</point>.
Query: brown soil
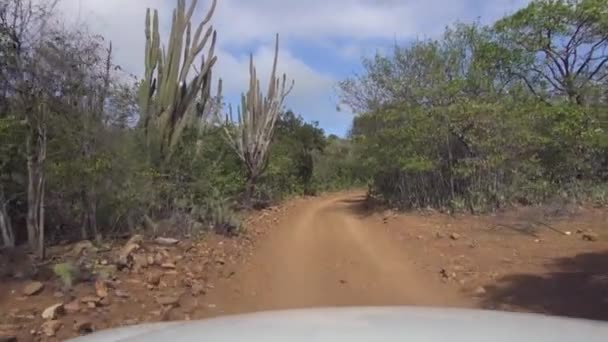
<point>331,251</point>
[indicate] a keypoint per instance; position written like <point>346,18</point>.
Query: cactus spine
<point>169,101</point>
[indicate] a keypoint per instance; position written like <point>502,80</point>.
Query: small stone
<point>131,246</point>
<point>168,265</point>
<point>105,301</point>
<point>168,300</point>
<point>187,282</point>
<point>58,294</point>
<point>139,262</point>
<point>90,300</point>
<point>166,241</point>
<point>439,235</point>
<point>81,247</point>
<point>72,307</point>
<point>158,258</point>
<point>150,260</point>
<point>33,288</point>
<point>101,289</point>
<point>121,294</point>
<point>479,291</point>
<point>153,279</point>
<point>197,289</point>
<point>590,236</point>
<point>133,321</point>
<point>83,326</point>
<point>53,312</point>
<point>568,233</point>
<point>50,328</point>
<point>455,236</point>
<point>220,261</point>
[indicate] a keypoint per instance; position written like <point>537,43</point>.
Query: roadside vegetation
<point>481,118</point>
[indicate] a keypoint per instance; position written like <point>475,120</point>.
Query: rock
<point>8,338</point>
<point>153,279</point>
<point>105,301</point>
<point>187,282</point>
<point>53,312</point>
<point>168,300</point>
<point>58,294</point>
<point>125,254</point>
<point>197,289</point>
<point>107,272</point>
<point>72,307</point>
<point>444,273</point>
<point>139,262</point>
<point>150,260</point>
<point>567,233</point>
<point>50,328</point>
<point>83,326</point>
<point>33,288</point>
<point>220,261</point>
<point>81,247</point>
<point>166,241</point>
<point>101,289</point>
<point>590,236</point>
<point>121,294</point>
<point>158,258</point>
<point>90,300</point>
<point>168,265</point>
<point>479,291</point>
<point>439,235</point>
<point>455,236</point>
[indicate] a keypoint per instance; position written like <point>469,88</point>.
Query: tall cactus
<point>170,101</point>
<point>257,115</point>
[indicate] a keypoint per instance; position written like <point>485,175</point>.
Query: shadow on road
<point>578,288</point>
<point>361,206</point>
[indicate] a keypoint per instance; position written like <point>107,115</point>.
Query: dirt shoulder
<point>521,260</point>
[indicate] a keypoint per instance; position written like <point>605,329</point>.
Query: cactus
<point>170,101</point>
<point>257,116</point>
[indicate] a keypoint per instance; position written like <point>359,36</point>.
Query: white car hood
<point>388,324</point>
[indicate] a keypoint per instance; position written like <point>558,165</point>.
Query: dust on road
<point>323,255</point>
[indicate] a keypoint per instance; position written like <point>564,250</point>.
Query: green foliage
<point>67,274</point>
<point>291,166</point>
<point>451,124</point>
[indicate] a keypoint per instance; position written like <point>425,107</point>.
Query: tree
<point>252,133</point>
<point>563,44</point>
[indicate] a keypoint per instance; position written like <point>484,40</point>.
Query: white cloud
<point>344,28</point>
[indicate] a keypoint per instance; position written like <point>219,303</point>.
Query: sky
<point>321,41</point>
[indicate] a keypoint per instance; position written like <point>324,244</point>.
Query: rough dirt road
<point>323,255</point>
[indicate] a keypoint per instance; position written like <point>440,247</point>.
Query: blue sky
<point>322,41</point>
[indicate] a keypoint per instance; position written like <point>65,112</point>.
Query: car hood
<point>366,325</point>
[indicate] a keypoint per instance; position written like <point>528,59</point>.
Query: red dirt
<point>330,251</point>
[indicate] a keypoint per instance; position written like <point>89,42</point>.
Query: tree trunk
<point>6,227</point>
<point>250,189</point>
<point>36,145</point>
<point>31,220</point>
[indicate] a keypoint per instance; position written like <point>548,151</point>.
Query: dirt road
<point>323,255</point>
